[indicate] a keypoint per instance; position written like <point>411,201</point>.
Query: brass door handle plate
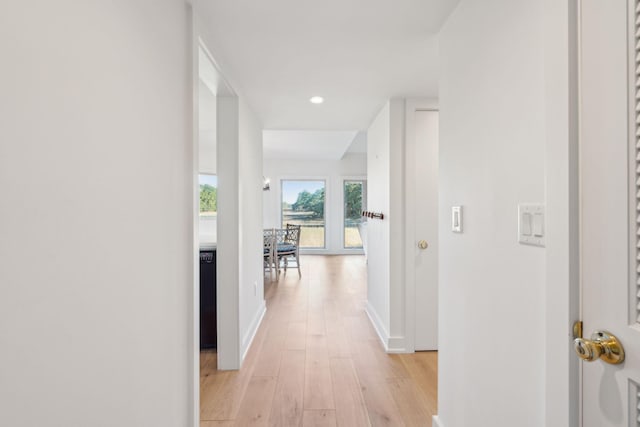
<point>602,345</point>
<point>422,244</point>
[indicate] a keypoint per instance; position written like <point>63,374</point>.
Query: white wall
<point>378,166</point>
<point>492,157</point>
<point>228,246</point>
<point>240,296</point>
<point>396,218</point>
<point>252,305</point>
<point>207,129</point>
<point>385,252</point>
<point>96,214</point>
<point>352,165</point>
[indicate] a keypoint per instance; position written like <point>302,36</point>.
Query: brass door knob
<point>602,345</point>
<point>422,244</point>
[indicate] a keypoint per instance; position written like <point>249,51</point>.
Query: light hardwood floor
<point>317,361</point>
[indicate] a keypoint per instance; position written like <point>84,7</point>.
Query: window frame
<point>344,181</point>
<point>325,181</point>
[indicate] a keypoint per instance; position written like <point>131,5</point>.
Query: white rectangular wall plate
<point>456,219</point>
<point>531,224</point>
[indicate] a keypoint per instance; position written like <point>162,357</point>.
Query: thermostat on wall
<point>456,219</point>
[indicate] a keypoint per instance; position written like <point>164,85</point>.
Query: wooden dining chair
<point>269,252</point>
<point>290,246</point>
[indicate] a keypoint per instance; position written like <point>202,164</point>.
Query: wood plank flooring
<point>317,361</point>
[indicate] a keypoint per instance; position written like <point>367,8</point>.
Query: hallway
<point>316,360</point>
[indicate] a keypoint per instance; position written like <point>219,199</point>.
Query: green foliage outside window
<point>308,202</point>
<point>353,200</point>
<point>208,198</point>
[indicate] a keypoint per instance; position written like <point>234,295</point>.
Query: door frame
<point>228,345</point>
<point>562,255</point>
<point>576,290</point>
<point>412,105</point>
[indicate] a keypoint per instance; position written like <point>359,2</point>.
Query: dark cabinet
<point>208,320</point>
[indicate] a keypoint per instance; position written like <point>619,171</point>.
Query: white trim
<point>228,258</point>
<point>397,345</point>
<point>390,344</point>
<point>248,338</point>
<point>226,88</point>
<point>412,105</point>
<point>194,339</point>
<point>378,325</point>
<point>562,216</point>
<point>436,422</point>
<point>227,116</point>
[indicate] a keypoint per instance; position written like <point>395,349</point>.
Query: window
<point>208,208</point>
<point>354,204</point>
<point>303,203</point>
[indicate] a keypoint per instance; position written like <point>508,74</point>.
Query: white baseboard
<point>378,325</point>
<point>390,344</point>
<point>437,422</point>
<point>253,329</point>
<point>397,345</point>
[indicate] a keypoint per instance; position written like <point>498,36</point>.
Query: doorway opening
<point>206,211</point>
<point>214,304</point>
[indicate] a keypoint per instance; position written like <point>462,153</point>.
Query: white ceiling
<point>359,144</point>
<point>300,144</point>
<point>354,53</point>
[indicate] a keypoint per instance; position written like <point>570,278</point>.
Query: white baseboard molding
<point>390,344</point>
<point>397,345</point>
<point>378,325</point>
<point>437,422</point>
<point>253,329</point>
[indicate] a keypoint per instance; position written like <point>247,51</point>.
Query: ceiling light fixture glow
<point>317,100</point>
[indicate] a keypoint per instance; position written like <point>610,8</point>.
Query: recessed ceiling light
<point>317,100</point>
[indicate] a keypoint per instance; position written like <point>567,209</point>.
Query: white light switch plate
<point>531,224</point>
<point>456,219</point>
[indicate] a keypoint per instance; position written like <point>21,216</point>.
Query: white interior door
<point>610,206</point>
<point>426,227</point>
